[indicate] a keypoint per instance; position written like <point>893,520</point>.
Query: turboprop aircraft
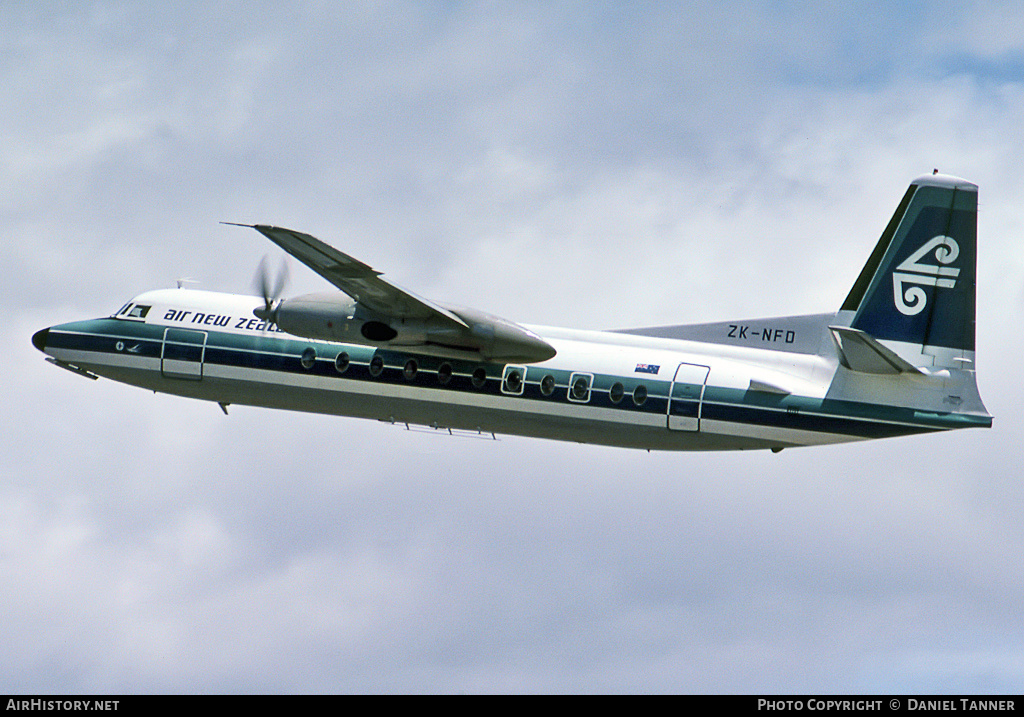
<point>898,357</point>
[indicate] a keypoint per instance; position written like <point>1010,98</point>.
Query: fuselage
<point>743,387</point>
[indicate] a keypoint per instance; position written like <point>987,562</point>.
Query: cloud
<point>597,168</point>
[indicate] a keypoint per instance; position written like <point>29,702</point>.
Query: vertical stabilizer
<point>916,294</point>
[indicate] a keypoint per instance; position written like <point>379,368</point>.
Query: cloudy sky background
<point>593,165</point>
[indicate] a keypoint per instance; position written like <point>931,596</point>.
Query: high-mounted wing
<point>355,278</point>
<point>382,314</point>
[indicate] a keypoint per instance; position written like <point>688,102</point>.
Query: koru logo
<point>911,300</point>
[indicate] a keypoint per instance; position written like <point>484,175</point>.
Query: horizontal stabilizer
<point>859,351</point>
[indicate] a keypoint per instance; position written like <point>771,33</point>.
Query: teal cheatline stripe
<point>285,356</point>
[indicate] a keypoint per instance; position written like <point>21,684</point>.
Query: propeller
<point>271,292</point>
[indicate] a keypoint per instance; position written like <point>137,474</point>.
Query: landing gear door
<point>684,406</point>
<point>182,355</point>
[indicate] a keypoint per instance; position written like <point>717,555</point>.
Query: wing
<point>357,279</point>
<point>412,321</point>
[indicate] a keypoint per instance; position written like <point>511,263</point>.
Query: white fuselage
<point>601,387</point>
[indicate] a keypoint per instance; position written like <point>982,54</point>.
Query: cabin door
<point>182,355</point>
<point>684,405</point>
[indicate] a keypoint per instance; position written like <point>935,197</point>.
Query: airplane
<point>897,358</point>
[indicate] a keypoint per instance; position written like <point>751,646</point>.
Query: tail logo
<point>911,300</point>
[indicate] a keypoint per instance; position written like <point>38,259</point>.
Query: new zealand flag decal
<point>647,368</point>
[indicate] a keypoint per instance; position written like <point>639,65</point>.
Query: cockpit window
<point>133,311</point>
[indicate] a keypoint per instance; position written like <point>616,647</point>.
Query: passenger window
<point>410,370</point>
<point>579,387</point>
<point>479,378</point>
<point>617,392</point>
<point>512,382</point>
<point>444,373</point>
<point>376,365</point>
<point>341,362</point>
<point>640,395</point>
<point>547,385</point>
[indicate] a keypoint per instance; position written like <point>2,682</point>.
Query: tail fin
<point>916,294</point>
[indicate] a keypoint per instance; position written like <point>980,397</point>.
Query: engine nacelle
<point>503,340</point>
<point>327,316</point>
<point>336,317</point>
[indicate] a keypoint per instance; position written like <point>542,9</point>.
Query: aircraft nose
<point>39,339</point>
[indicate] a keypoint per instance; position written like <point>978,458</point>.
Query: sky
<point>596,165</point>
